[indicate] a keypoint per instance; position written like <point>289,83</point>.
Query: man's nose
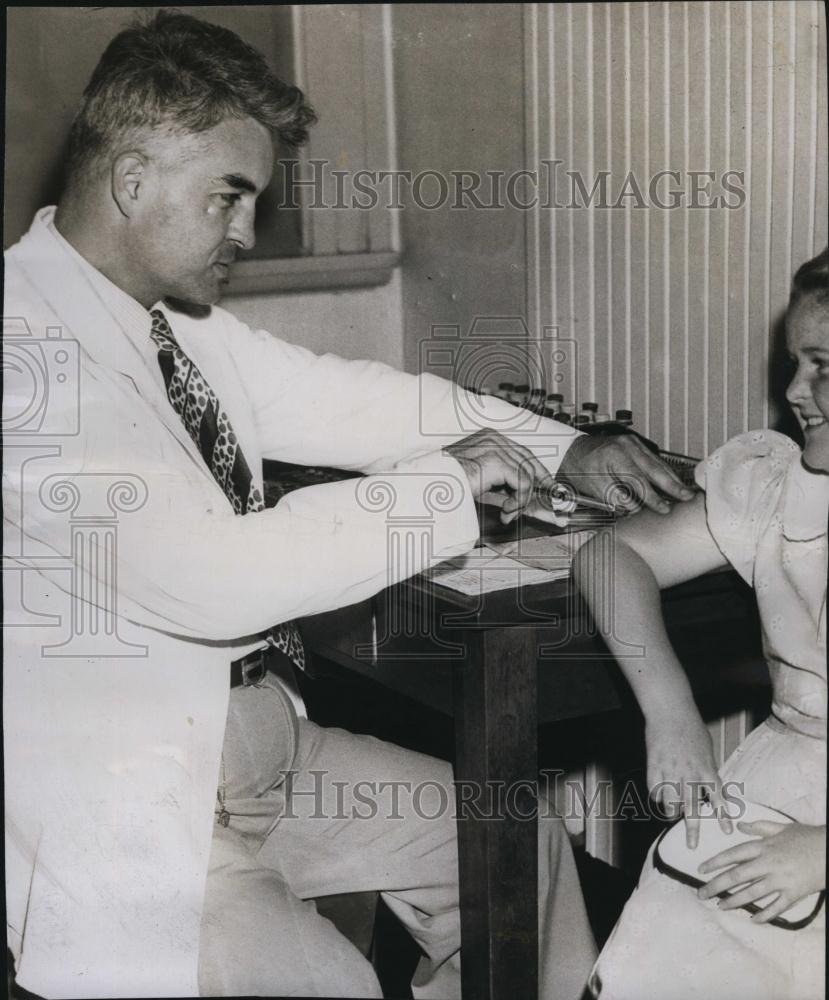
<point>242,229</point>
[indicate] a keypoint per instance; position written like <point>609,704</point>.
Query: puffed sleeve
<point>743,481</point>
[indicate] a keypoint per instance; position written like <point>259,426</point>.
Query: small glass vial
<point>552,407</point>
<point>504,389</point>
<point>589,410</point>
<point>624,417</point>
<point>522,394</point>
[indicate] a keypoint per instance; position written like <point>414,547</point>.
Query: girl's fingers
<point>668,800</point>
<point>761,828</point>
<point>712,791</point>
<point>691,803</point>
<point>751,893</point>
<point>774,909</point>
<point>732,856</point>
<point>738,875</point>
<point>669,789</point>
<point>672,810</point>
<point>719,806</point>
<point>688,799</point>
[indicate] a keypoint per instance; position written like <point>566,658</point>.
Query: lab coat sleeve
<point>187,565</point>
<point>364,415</point>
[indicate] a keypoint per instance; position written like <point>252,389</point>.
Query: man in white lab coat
<point>149,846</point>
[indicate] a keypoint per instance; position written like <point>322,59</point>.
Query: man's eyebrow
<point>240,182</point>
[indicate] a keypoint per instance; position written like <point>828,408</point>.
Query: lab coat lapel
<point>61,283</point>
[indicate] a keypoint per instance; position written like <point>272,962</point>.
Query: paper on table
<point>548,552</point>
<point>506,565</point>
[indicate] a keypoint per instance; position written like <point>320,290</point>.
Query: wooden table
<point>501,663</point>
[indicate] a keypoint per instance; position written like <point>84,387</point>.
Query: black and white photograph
<point>415,500</point>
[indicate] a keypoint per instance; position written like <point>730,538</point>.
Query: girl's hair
<point>812,280</point>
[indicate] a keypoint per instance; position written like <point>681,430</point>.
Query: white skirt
<point>670,945</point>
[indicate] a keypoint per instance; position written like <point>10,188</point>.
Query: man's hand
<point>682,770</point>
<point>594,465</point>
<point>492,461</point>
<point>787,858</point>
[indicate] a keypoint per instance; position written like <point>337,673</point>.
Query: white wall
<point>354,323</point>
<point>674,313</point>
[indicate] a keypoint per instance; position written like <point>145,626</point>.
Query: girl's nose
<point>798,389</point>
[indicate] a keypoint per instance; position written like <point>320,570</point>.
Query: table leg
<point>496,766</point>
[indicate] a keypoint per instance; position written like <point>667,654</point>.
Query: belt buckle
<point>254,667</point>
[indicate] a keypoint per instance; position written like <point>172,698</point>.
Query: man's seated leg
<point>258,938</point>
<point>363,814</point>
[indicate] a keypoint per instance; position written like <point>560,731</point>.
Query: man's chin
<point>198,310</point>
<point>195,300</point>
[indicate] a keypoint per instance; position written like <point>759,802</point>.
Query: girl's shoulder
<point>744,483</point>
<point>750,468</point>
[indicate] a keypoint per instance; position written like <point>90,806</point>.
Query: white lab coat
<point>112,760</point>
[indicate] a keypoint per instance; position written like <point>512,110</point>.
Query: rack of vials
<point>588,418</point>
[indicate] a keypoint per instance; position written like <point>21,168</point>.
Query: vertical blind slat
<point>673,311</point>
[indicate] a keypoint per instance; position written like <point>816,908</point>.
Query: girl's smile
<point>807,334</point>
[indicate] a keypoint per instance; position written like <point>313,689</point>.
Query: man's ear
<point>128,179</point>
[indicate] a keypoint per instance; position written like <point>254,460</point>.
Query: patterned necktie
<point>209,427</point>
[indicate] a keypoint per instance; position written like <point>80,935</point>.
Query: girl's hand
<point>786,858</point>
<point>682,771</point>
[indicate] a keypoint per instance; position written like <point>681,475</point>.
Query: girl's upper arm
<point>677,546</point>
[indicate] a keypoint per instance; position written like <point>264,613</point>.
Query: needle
<point>563,494</point>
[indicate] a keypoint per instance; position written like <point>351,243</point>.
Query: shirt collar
<point>805,505</point>
<point>132,317</point>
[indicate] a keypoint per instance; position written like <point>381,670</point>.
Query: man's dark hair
<point>183,74</point>
<point>812,280</point>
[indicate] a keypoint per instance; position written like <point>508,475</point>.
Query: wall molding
<point>328,272</point>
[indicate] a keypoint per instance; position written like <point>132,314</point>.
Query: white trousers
<point>353,814</point>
